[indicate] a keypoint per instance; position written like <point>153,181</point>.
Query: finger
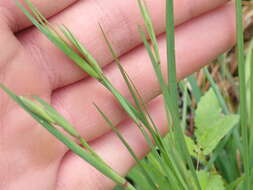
<point>16,19</point>
<point>197,43</point>
<point>74,173</point>
<point>29,151</point>
<point>119,19</point>
<point>11,45</point>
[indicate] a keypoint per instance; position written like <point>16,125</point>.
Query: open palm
<point>30,65</point>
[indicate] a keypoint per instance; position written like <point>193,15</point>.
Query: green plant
<point>176,161</point>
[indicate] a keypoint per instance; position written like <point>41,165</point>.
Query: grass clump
<point>186,158</point>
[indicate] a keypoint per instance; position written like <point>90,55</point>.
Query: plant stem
<point>243,102</point>
<point>172,82</point>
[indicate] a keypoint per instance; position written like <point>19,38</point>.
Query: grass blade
<point>103,168</point>
<point>171,67</point>
<point>243,102</point>
<point>143,169</point>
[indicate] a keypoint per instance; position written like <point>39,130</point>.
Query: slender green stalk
<point>195,89</point>
<point>217,91</point>
<point>46,111</point>
<point>171,58</point>
<point>249,62</point>
<point>169,105</point>
<point>185,104</point>
<point>173,162</point>
<point>150,28</point>
<point>243,102</point>
<point>138,100</point>
<point>85,61</point>
<point>143,111</point>
<point>172,77</point>
<point>87,156</point>
<point>144,170</point>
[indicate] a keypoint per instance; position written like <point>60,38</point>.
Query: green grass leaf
<point>57,39</point>
<point>76,148</point>
<point>243,99</point>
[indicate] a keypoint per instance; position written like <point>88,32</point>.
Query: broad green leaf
<point>211,124</point>
<point>209,181</point>
<point>194,149</point>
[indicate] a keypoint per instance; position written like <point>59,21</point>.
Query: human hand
<point>30,65</point>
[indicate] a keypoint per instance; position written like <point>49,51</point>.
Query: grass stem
<point>243,101</point>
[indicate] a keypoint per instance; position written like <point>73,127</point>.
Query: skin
<point>30,65</point>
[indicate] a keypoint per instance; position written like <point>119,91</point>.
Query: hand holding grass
<point>31,65</point>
